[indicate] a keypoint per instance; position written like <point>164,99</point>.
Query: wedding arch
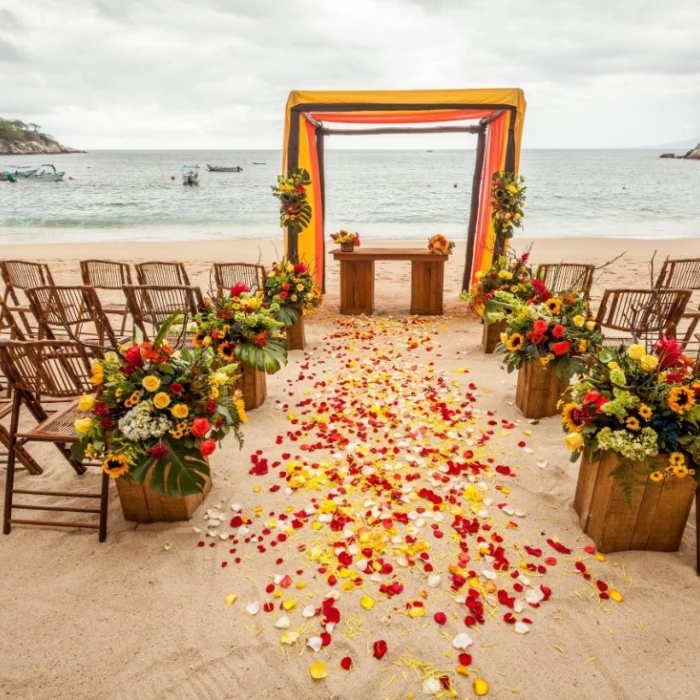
<point>496,117</point>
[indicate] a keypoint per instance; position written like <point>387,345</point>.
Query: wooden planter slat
<point>253,386</point>
<point>491,335</point>
<point>538,390</point>
<point>654,521</point>
<point>296,335</point>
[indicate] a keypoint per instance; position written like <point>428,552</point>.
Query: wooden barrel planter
<point>143,505</point>
<point>253,386</point>
<point>655,520</point>
<point>296,335</point>
<point>538,390</point>
<point>491,335</point>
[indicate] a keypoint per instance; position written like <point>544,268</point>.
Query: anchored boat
<point>15,172</point>
<point>47,173</point>
<point>224,168</point>
<point>190,175</point>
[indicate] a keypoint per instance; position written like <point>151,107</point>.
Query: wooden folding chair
<point>71,311</point>
<point>108,275</point>
<point>642,315</point>
<point>60,369</point>
<point>679,274</point>
<point>151,305</point>
<point>163,274</point>
<point>567,277</point>
<point>228,274</point>
<point>19,275</point>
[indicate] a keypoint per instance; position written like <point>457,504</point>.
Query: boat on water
<point>224,168</point>
<point>15,172</point>
<point>259,162</point>
<point>190,175</point>
<point>47,173</point>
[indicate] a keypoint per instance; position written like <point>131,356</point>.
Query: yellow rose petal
<point>481,687</point>
<point>616,595</point>
<point>230,599</point>
<point>289,605</point>
<point>366,602</point>
<point>318,670</point>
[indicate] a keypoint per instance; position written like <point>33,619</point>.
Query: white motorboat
<point>224,168</point>
<point>15,172</point>
<point>47,173</point>
<point>190,175</point>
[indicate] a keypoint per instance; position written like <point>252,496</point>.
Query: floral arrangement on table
<point>439,245</point>
<point>295,211</point>
<point>639,406</point>
<point>159,412</point>
<point>506,274</point>
<point>344,237</point>
<point>507,203</point>
<point>557,332</point>
<point>292,287</point>
<point>243,327</point>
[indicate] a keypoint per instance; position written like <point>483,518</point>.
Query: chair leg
<point>104,502</point>
<point>697,529</point>
<point>10,479</point>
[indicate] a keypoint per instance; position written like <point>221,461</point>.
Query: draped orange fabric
<point>319,263</point>
<point>400,117</point>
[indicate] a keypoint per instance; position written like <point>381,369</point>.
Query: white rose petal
<point>462,641</point>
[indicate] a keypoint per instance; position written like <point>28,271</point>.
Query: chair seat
<point>58,427</point>
<point>114,308</point>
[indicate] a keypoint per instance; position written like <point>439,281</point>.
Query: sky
<point>210,74</point>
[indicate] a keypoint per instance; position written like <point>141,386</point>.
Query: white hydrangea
<point>140,423</point>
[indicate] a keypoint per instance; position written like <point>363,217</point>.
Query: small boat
<point>224,168</point>
<point>259,162</point>
<point>190,175</point>
<point>14,172</point>
<point>47,173</point>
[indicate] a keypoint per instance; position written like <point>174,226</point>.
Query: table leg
<point>427,283</point>
<point>357,287</point>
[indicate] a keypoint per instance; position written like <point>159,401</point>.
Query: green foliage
<point>16,130</point>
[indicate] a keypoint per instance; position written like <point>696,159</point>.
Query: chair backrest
<point>20,274</point>
<point>644,314</point>
<point>567,277</point>
<point>679,274</point>
<point>151,305</point>
<point>73,310</point>
<point>162,274</point>
<point>228,274</point>
<point>105,274</point>
<point>9,328</point>
<point>55,368</point>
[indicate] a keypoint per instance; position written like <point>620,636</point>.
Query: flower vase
<point>655,518</point>
<point>253,386</point>
<point>491,335</point>
<point>538,390</point>
<point>143,505</point>
<point>347,247</point>
<point>296,334</point>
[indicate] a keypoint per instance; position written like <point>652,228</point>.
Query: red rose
<point>596,398</point>
<point>300,268</point>
<point>215,334</point>
<point>200,427</point>
<point>286,287</point>
<point>540,327</point>
<point>207,447</point>
<point>100,409</point>
<point>210,406</point>
<point>239,288</point>
<point>107,423</point>
<point>159,450</point>
<point>558,331</point>
<point>133,356</point>
<point>561,348</point>
<point>534,338</point>
<point>669,353</point>
<point>284,295</point>
<point>176,389</point>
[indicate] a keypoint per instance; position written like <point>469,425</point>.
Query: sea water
<point>138,195</point>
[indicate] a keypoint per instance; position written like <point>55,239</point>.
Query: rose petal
<point>346,663</point>
<point>230,599</point>
<point>309,611</point>
<point>318,670</point>
<point>481,687</point>
<point>431,686</point>
<point>282,623</point>
<point>289,637</point>
<point>380,648</point>
<point>314,643</point>
<point>440,618</point>
<point>253,608</point>
<point>366,602</point>
<point>462,641</point>
<point>521,627</point>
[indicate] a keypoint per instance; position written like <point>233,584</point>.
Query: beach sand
<point>142,616</point>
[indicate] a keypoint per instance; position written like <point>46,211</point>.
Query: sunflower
<point>226,351</point>
<point>180,430</point>
<point>681,471</point>
<point>632,423</point>
<point>553,305</point>
<point>115,465</point>
<point>198,339</point>
<point>681,399</point>
<point>645,411</point>
<point>656,477</point>
<point>133,400</point>
<point>676,459</point>
<point>515,342</point>
<point>571,417</point>
<point>240,407</point>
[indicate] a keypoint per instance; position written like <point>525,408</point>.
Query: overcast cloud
<point>216,73</point>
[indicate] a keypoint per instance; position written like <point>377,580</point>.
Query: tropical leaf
<point>163,331</point>
<point>288,315</point>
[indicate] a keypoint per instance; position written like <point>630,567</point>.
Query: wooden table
<point>357,279</point>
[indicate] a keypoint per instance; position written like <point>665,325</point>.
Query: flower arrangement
<point>295,211</point>
<point>243,327</point>
<point>506,274</point>
<point>639,406</point>
<point>556,332</point>
<point>291,287</point>
<point>344,236</point>
<point>160,412</point>
<point>439,245</point>
<point>507,203</point>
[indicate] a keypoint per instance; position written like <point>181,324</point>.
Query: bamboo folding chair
<point>75,311</point>
<point>642,315</point>
<point>163,274</point>
<point>567,277</point>
<point>60,369</point>
<point>683,274</point>
<point>108,275</point>
<point>19,275</point>
<point>228,274</point>
<point>151,305</point>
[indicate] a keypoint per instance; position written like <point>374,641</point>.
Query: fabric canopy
<point>499,114</point>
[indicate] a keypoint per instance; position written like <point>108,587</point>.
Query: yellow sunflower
<point>645,411</point>
<point>133,400</point>
<point>198,339</point>
<point>571,418</point>
<point>553,305</point>
<point>180,430</point>
<point>676,459</point>
<point>240,407</point>
<point>226,351</point>
<point>515,342</point>
<point>681,471</point>
<point>115,465</point>
<point>656,477</point>
<point>632,423</point>
<point>681,399</point>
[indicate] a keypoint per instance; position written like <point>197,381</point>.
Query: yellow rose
<point>150,383</point>
<point>579,321</point>
<point>505,275</point>
<point>300,288</point>
<point>161,400</point>
<point>218,378</point>
<point>636,352</point>
<point>180,410</point>
<point>574,441</point>
<point>86,402</point>
<point>504,337</point>
<point>82,425</point>
<point>582,345</point>
<point>98,374</point>
<point>649,363</point>
<point>206,342</point>
<point>294,297</point>
<point>590,325</point>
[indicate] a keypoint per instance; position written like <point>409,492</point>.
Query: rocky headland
<point>692,154</point>
<point>18,139</point>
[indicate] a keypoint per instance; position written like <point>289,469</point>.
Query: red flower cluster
<point>158,451</point>
<point>207,447</point>
<point>239,288</point>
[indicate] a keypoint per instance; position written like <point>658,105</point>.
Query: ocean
<point>130,196</point>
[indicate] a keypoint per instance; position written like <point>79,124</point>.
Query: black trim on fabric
<point>322,187</point>
<point>474,211</point>
<point>403,130</point>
